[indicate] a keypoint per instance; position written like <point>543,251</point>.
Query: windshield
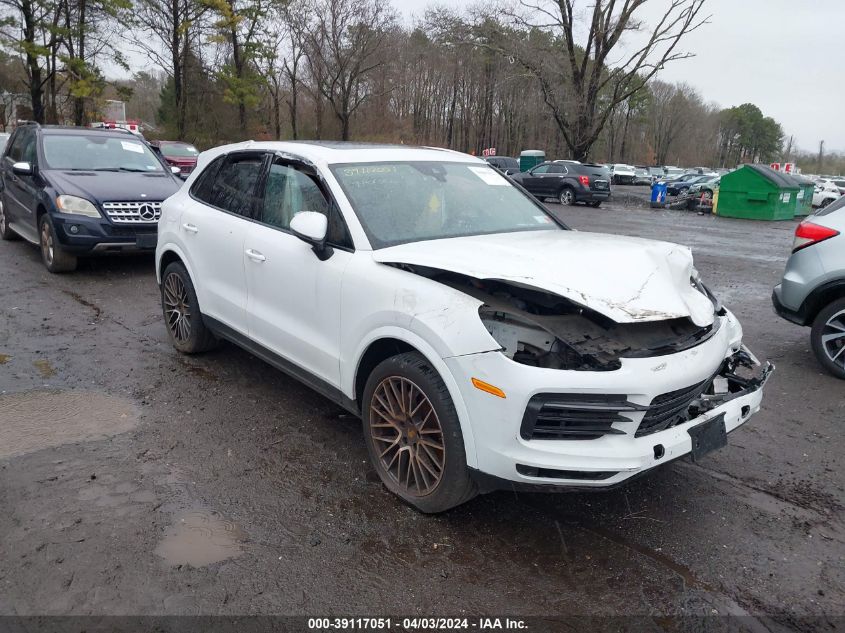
<point>406,202</point>
<point>180,151</point>
<point>98,152</point>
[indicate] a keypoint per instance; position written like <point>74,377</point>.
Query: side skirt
<point>319,385</point>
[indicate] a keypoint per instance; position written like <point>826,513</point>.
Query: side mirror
<point>175,171</point>
<point>22,169</point>
<point>312,227</point>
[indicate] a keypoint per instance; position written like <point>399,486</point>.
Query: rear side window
<point>234,186</point>
<point>837,204</point>
<point>205,182</point>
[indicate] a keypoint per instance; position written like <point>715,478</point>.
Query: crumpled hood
<point>624,278</point>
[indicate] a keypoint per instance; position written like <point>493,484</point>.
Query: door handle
<point>255,255</point>
<point>190,228</point>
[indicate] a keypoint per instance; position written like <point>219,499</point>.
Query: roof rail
<point>35,123</point>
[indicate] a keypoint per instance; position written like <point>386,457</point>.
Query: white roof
<point>334,152</point>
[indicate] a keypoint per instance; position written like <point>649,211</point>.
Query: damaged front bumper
<point>598,429</point>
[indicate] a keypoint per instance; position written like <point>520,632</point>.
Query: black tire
<point>55,258</point>
<point>826,202</point>
<point>454,485</point>
<point>595,205</point>
<point>5,232</point>
<point>830,353</point>
<point>566,197</point>
<point>182,316</point>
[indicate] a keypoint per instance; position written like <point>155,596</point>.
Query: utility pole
<point>821,155</point>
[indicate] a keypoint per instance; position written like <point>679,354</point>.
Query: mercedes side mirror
<point>22,169</point>
<point>312,228</point>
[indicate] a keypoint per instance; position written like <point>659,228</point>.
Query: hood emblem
<point>147,212</point>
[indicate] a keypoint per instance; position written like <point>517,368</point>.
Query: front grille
<point>575,416</point>
<point>555,416</point>
<point>141,212</point>
<point>670,409</point>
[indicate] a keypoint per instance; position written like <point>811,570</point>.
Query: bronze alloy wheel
<point>177,307</point>
<point>407,435</point>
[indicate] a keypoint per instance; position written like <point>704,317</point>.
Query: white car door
<point>213,227</point>
<point>293,297</point>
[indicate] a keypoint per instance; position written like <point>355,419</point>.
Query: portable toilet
<point>806,187</point>
<point>530,158</point>
<point>758,192</point>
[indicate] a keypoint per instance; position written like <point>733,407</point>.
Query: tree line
<point>576,81</point>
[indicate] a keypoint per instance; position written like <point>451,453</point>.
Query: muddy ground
<point>134,480</point>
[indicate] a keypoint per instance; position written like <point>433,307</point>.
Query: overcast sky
<point>785,56</point>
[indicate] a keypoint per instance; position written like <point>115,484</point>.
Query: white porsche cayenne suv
<point>482,342</point>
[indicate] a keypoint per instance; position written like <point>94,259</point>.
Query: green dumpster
<point>758,192</point>
<point>530,158</point>
<point>804,206</point>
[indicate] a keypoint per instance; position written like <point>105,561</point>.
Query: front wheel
<point>828,338</point>
<point>413,435</point>
<point>567,197</point>
<point>55,258</point>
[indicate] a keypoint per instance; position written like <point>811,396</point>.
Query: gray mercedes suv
<point>812,292</point>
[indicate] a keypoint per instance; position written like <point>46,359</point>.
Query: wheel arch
<point>391,341</point>
<point>820,297</point>
<point>172,253</point>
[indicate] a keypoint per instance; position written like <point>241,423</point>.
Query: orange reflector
<point>486,386</point>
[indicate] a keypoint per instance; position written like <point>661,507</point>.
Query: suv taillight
<point>808,234</point>
<point>584,180</point>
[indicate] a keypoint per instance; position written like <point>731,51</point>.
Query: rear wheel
<point>55,258</point>
<point>182,315</point>
<point>828,338</point>
<point>566,197</point>
<point>5,232</point>
<point>413,434</point>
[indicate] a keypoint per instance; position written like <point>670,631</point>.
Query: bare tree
<point>343,47</point>
<point>581,83</point>
<point>169,30</point>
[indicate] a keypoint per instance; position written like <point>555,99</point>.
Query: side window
<point>542,169</point>
<point>205,182</point>
<point>289,191</point>
<point>16,146</point>
<point>234,186</point>
<point>557,169</point>
<point>28,153</point>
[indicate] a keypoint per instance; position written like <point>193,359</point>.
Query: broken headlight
<point>528,344</point>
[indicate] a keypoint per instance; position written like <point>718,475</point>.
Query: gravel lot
<point>134,480</point>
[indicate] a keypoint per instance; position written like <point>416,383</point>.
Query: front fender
<point>430,353</point>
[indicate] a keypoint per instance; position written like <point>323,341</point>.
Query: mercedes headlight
<point>77,206</point>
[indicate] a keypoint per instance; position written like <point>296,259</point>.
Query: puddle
<point>199,538</point>
<point>4,358</point>
<point>44,368</point>
<point>32,420</point>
